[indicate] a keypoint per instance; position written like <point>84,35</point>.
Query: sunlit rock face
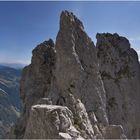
<point>77,70</point>
<point>35,81</point>
<point>75,90</point>
<point>58,123</point>
<point>120,71</point>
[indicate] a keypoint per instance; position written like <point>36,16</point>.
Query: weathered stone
<point>120,71</point>
<point>81,119</point>
<point>95,125</point>
<point>46,101</point>
<point>35,81</point>
<point>113,132</point>
<point>75,73</point>
<point>50,122</point>
<point>99,86</point>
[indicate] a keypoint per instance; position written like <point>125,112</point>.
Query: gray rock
<point>91,88</point>
<point>75,73</point>
<point>50,122</point>
<point>81,118</point>
<point>35,81</point>
<point>120,71</point>
<point>46,101</point>
<point>113,132</point>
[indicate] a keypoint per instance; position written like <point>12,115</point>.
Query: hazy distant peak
<point>14,65</point>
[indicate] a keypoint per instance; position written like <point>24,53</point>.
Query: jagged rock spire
<point>99,86</point>
<point>68,20</point>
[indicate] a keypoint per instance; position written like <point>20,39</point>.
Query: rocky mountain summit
<point>75,90</point>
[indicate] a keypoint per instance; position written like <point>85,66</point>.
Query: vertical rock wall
<point>120,71</point>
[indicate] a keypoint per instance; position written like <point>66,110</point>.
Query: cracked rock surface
<point>120,71</point>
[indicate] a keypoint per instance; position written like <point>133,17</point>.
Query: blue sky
<point>23,25</point>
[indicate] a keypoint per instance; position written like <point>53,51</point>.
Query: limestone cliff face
<point>35,81</point>
<point>75,73</point>
<point>73,89</point>
<point>120,71</point>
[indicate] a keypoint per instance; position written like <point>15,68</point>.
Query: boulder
<point>50,122</point>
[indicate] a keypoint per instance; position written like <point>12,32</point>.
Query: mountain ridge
<point>10,104</point>
<point>76,90</point>
<point>13,65</point>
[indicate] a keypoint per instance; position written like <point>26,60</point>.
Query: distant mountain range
<point>13,65</point>
<point>10,104</point>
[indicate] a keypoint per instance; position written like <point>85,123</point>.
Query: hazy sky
<point>23,25</point>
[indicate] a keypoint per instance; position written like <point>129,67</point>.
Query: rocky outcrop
<point>36,81</point>
<point>66,91</point>
<point>58,123</point>
<point>120,71</point>
<point>113,132</point>
<point>74,73</point>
